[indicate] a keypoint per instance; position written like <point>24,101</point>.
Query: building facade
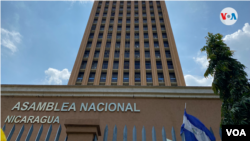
<point>127,73</point>
<point>128,43</point>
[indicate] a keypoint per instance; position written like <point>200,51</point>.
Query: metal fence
<point>105,135</point>
<point>31,131</point>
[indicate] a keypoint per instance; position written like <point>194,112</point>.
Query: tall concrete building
<point>128,43</point>
<point>127,77</point>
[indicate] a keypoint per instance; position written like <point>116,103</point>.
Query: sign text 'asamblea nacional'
<point>65,107</point>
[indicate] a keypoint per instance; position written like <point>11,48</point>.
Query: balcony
<point>161,79</point>
<point>103,79</point>
<point>149,80</point>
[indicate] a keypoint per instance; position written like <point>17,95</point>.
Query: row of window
<point>126,65</point>
<point>126,54</point>
<point>125,77</point>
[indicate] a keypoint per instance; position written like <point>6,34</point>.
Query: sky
<point>40,40</point>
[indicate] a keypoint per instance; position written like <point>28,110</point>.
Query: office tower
<point>128,43</point>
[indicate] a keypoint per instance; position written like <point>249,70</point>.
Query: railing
<point>173,79</point>
<point>105,134</point>
<point>103,79</point>
<point>79,80</point>
<point>161,79</point>
<point>149,79</point>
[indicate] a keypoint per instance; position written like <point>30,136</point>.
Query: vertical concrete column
<point>82,130</point>
<point>102,50</point>
<point>151,47</point>
<point>132,44</point>
<point>112,47</point>
<point>161,45</point>
<point>122,45</point>
<point>79,57</point>
<point>93,46</point>
<point>142,50</point>
<point>173,50</point>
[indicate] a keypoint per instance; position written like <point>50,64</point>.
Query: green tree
<point>230,81</point>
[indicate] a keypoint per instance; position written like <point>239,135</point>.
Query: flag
<point>3,138</point>
<point>195,130</point>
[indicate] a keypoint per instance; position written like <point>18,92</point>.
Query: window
<point>157,54</point>
<point>160,77</point>
<point>136,13</point>
<point>103,77</point>
<point>153,27</point>
<point>144,20</point>
<point>136,27</point>
<point>161,20</point>
<point>126,64</point>
<point>100,36</point>
<point>155,35</point>
<point>137,44</point>
<point>126,77</point>
<point>172,77</point>
<point>96,55</point>
<point>98,44</point>
<point>158,65</point>
<point>164,35</point>
<point>126,53</point>
<point>156,44</point>
<point>136,35</point>
<point>95,20</point>
<point>170,65</point>
<point>106,53</point>
<point>102,27</point>
<point>80,77</point>
<point>105,13</point>
<point>93,27</point>
<point>146,44</point>
<point>116,65</point>
<point>84,63</point>
<point>118,36</point>
<point>119,20</point>
<point>127,44</point>
<point>128,21</point>
<point>117,45</point>
<point>137,64</point>
<point>148,65</point>
<point>127,35</point>
<point>91,77</point>
<point>113,13</point>
<point>111,20</point>
<point>94,65</point>
<point>89,44</point>
<point>128,14</point>
<point>137,77</point>
<point>105,65</point>
<point>114,77</point>
<point>91,35</point>
<point>145,27</point>
<point>103,20</point>
<point>160,13</point>
<point>86,54</point>
<point>119,28</point>
<point>136,20</point>
<point>147,54</point>
<point>109,35</point>
<point>149,77</point>
<point>117,53</point>
<point>163,27</point>
<point>108,44</point>
<point>166,44</point>
<point>137,54</point>
<point>146,35</point>
<point>168,55</point>
<point>110,28</point>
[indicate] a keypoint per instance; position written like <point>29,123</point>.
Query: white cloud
<point>239,41</point>
<point>197,80</point>
<point>202,60</point>
<point>80,1</point>
<point>10,39</point>
<point>54,76</point>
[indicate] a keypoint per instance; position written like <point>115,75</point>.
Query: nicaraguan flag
<point>195,130</point>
